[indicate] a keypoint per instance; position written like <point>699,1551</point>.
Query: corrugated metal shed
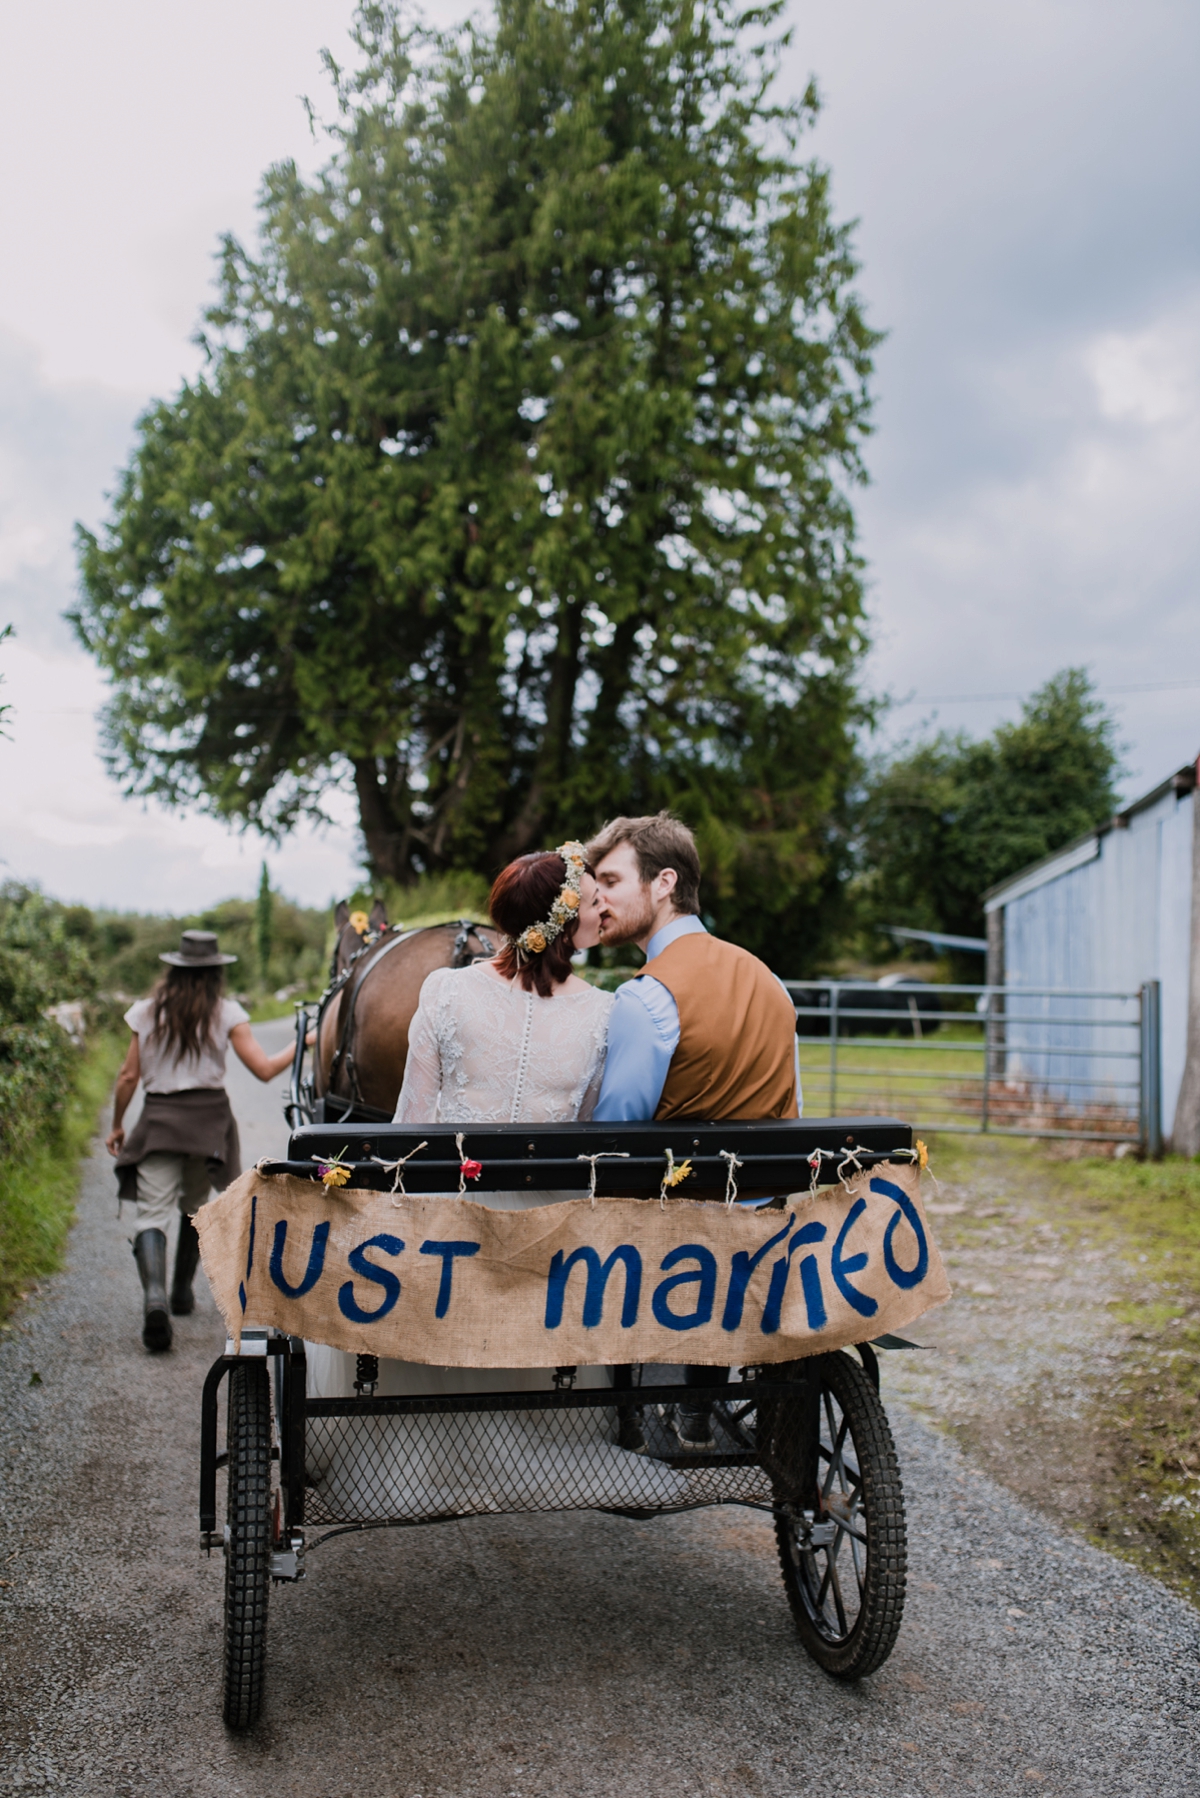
<point>1106,913</point>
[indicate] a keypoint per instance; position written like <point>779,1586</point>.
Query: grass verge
<point>38,1190</point>
<point>1150,1214</point>
<point>1139,1411</point>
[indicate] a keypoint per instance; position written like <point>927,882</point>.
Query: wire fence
<point>1006,1061</point>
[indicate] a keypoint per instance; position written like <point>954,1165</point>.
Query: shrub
<point>44,959</point>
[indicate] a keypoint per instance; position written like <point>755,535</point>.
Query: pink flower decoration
<point>471,1170</point>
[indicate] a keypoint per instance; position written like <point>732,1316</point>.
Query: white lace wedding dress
<point>483,1051</point>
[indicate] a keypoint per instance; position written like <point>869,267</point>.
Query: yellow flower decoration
<point>672,1175</point>
<point>922,1154</point>
<point>360,922</point>
<point>537,937</point>
<point>332,1169</point>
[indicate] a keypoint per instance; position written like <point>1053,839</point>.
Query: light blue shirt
<point>643,1035</point>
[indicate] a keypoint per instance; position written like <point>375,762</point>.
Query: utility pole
<point>1185,1136</point>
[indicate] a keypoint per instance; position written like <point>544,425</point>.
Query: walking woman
<point>186,1140</point>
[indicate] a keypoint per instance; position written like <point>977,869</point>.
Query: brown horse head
<point>354,931</point>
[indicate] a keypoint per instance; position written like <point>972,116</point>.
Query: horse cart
<point>804,1441</point>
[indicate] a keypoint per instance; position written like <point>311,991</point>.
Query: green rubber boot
<point>187,1254</point>
<point>150,1253</point>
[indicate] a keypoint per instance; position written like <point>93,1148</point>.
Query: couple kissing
<point>703,1031</point>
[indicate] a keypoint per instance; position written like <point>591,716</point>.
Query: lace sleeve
<point>418,1101</point>
<point>591,1091</point>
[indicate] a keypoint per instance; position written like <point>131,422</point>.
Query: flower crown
<point>537,937</point>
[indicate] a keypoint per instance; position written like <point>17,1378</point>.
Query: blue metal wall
<point>1118,920</point>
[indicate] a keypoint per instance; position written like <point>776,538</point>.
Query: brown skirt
<point>199,1121</point>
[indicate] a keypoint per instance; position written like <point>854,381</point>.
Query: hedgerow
<point>43,961</point>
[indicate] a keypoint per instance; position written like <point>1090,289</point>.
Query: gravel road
<point>527,1656</point>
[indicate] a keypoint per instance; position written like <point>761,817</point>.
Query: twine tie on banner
<point>673,1175</point>
<point>849,1159</point>
<point>398,1168</point>
<point>919,1156</point>
<point>467,1169</point>
<point>601,1155</point>
<point>845,1158</point>
<point>732,1165</point>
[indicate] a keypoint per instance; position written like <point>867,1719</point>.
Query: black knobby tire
<point>845,1577</point>
<point>248,1548</point>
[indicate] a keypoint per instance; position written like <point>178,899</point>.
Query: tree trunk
<point>1185,1136</point>
<point>550,768</point>
<point>613,665</point>
<point>388,838</point>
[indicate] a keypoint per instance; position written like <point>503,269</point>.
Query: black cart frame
<point>806,1442</point>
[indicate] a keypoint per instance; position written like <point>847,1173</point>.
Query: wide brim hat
<point>197,949</point>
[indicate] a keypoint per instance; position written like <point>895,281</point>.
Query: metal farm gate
<point>1009,1061</point>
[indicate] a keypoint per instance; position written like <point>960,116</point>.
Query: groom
<point>704,1031</point>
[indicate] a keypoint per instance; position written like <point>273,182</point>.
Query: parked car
<point>893,1004</point>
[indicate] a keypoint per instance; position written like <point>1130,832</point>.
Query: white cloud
<point>64,824</point>
<point>132,134</point>
<point>70,833</point>
<point>1150,377</point>
<point>1087,555</point>
<point>1025,180</point>
<point>1024,177</point>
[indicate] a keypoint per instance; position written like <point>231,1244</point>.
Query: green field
<point>937,1083</point>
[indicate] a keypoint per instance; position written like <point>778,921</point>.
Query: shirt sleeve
<point>138,1015</point>
<point>233,1014</point>
<point>643,1034</point>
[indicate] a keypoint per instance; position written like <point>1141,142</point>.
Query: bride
<point>517,1039</point>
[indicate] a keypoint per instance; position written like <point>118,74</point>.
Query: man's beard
<point>615,936</point>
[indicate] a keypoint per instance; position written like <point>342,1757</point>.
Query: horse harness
<point>343,1056</point>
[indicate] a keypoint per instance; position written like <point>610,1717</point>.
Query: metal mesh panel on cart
<point>421,1465</point>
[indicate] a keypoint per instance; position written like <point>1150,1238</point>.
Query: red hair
<point>522,895</point>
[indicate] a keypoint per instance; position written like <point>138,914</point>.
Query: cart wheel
<point>248,1548</point>
<point>841,1537</point>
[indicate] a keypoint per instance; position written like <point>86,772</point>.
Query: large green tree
<point>941,821</point>
<point>515,490</point>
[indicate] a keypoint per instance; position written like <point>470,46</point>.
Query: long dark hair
<point>523,895</point>
<point>186,1001</point>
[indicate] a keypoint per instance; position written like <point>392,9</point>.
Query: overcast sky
<point>1025,180</point>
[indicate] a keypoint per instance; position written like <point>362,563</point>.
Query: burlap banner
<point>448,1281</point>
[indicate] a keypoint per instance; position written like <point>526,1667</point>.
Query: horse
<point>354,931</point>
<point>376,976</point>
